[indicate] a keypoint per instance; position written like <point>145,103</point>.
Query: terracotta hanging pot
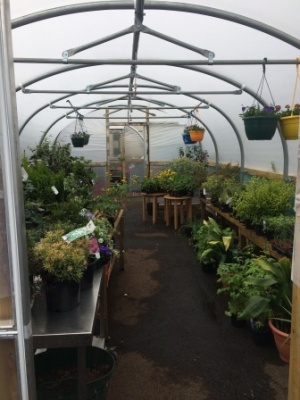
<point>260,127</point>
<point>197,136</point>
<point>290,127</point>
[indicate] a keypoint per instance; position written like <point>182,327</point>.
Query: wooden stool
<point>152,198</point>
<point>178,203</point>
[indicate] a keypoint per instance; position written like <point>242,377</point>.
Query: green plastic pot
<point>260,127</point>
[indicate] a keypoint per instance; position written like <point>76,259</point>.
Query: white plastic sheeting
<point>227,37</point>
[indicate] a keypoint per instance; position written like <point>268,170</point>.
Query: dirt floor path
<point>168,327</point>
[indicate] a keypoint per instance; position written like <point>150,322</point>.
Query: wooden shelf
<point>244,235</point>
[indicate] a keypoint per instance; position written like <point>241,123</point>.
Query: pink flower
<point>93,248</point>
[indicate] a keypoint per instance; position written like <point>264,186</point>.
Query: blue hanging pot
<point>187,139</point>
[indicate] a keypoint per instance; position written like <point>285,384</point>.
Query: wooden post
<point>148,145</point>
<point>294,367</point>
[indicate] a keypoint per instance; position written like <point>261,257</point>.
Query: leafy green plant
<point>150,185</point>
<point>188,166</point>
<point>180,183</point>
<point>282,228</point>
<point>195,153</point>
<point>263,198</point>
<point>60,260</point>
<point>194,127</point>
<point>257,110</point>
<point>274,292</point>
<point>214,244</point>
<point>237,275</point>
<point>288,111</point>
<point>112,199</point>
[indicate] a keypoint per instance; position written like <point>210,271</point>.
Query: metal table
<point>74,328</point>
<point>77,327</point>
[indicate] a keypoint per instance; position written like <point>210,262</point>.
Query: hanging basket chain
<point>296,85</point>
<point>261,86</point>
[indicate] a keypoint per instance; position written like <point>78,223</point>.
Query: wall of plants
<point>69,225</point>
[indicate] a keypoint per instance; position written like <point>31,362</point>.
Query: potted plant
<point>102,245</point>
<point>263,198</point>
<point>180,185</point>
<point>80,138</point>
<point>62,265</point>
<point>196,132</point>
<point>260,122</point>
<point>274,300</point>
<point>213,244</point>
<point>281,228</point>
<point>150,185</point>
<point>195,166</point>
<point>111,200</point>
<point>289,122</point>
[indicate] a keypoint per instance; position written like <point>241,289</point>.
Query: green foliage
<point>193,127</point>
<point>189,167</point>
<point>274,292</point>
<point>57,157</point>
<point>42,180</point>
<point>223,184</point>
<point>194,153</point>
<point>150,185</point>
<point>282,227</point>
<point>60,260</point>
<point>258,110</point>
<point>213,243</point>
<point>263,198</point>
<point>111,200</point>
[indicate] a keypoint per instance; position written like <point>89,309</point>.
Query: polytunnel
<point>145,68</point>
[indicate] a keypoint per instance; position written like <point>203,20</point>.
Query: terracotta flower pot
<point>290,127</point>
<point>197,136</point>
<point>282,342</point>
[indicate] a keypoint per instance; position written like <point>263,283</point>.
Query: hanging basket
<point>197,136</point>
<point>86,139</point>
<point>260,127</point>
<point>290,127</point>
<point>187,138</point>
<point>78,141</point>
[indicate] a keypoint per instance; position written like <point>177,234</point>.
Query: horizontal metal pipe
<point>178,116</point>
<point>136,93</point>
<point>152,62</point>
<point>132,108</point>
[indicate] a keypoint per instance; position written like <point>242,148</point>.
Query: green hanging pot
<point>78,141</point>
<point>260,127</point>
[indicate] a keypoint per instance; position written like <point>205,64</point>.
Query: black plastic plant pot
<point>78,141</point>
<point>260,127</point>
<point>62,296</point>
<point>56,373</point>
<point>86,139</point>
<point>88,277</point>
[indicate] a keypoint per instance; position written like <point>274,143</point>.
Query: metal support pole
<point>13,204</point>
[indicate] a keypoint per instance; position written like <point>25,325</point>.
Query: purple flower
<point>104,249</point>
<point>269,109</point>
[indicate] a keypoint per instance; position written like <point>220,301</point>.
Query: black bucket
<point>56,373</point>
